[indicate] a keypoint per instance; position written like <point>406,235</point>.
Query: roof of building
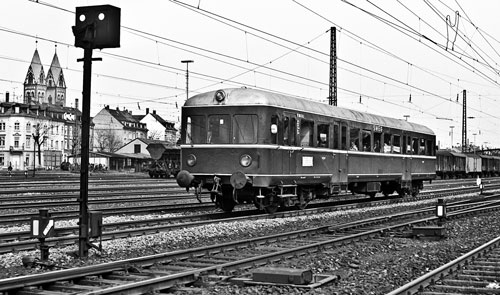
<point>36,68</point>
<point>55,69</point>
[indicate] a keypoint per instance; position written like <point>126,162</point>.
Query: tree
<point>40,135</point>
<point>107,141</point>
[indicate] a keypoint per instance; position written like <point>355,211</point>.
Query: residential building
<point>113,128</point>
<point>158,128</point>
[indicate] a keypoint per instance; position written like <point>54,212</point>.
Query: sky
<point>404,59</point>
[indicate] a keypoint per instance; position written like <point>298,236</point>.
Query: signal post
<point>95,27</point>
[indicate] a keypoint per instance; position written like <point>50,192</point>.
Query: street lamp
<point>451,133</point>
<point>187,62</point>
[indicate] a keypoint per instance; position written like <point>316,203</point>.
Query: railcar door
<point>340,170</point>
<point>289,141</point>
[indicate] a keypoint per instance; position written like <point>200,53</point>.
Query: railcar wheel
<point>372,194</point>
<point>271,203</point>
<point>225,200</point>
<point>415,191</point>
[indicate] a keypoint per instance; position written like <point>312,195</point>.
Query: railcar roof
<point>450,153</point>
<point>249,97</point>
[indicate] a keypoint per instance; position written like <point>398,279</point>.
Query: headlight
<point>245,160</point>
<point>191,160</point>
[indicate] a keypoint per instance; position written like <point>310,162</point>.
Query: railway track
<point>17,241</point>
<point>476,272</point>
<point>161,272</point>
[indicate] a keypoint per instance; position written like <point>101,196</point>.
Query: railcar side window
<point>323,135</point>
<point>366,141</point>
<point>429,150</point>
<point>286,130</point>
<point>387,143</point>
<point>421,148</point>
<point>274,122</point>
<point>196,129</point>
<point>306,132</point>
<point>414,146</point>
<point>245,129</point>
<point>343,137</point>
<point>218,129</point>
<point>336,136</point>
<point>396,144</point>
<point>354,138</point>
<point>377,141</point>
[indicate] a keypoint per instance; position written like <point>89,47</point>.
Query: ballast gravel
<point>375,266</point>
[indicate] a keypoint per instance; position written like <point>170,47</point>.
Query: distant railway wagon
<point>245,145</point>
<point>451,164</point>
<point>166,160</point>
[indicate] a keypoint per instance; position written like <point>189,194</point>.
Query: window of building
<point>2,140</point>
<point>16,141</point>
<point>17,126</point>
<point>28,127</point>
<point>2,126</point>
<point>28,141</point>
<point>245,128</point>
<point>137,148</point>
<point>2,160</point>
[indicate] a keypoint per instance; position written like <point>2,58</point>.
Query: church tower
<point>34,83</point>
<point>56,85</point>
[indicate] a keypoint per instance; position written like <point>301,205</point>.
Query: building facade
<point>37,130</point>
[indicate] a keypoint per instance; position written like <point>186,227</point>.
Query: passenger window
<point>274,133</point>
<point>396,144</point>
<point>366,141</point>
<point>306,133</point>
<point>343,137</point>
<point>293,132</point>
<point>387,143</point>
<point>408,145</point>
<point>430,149</point>
<point>286,130</point>
<point>336,136</point>
<point>354,138</point>
<point>218,129</point>
<point>377,141</point>
<point>323,137</point>
<point>245,129</point>
<point>414,145</point>
<point>421,148</point>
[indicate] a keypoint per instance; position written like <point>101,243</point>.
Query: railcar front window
<point>245,129</point>
<point>218,129</point>
<point>196,130</point>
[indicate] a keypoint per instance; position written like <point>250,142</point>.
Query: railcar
<point>450,164</point>
<point>245,145</point>
<point>165,160</point>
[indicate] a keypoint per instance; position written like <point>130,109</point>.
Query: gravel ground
<point>371,267</point>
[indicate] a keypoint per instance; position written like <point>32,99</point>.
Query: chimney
<point>7,96</point>
<point>147,111</point>
<point>76,103</point>
<point>107,107</point>
<point>154,112</point>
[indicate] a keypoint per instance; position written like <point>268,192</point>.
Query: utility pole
<point>464,122</point>
<point>187,62</point>
<point>332,87</point>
